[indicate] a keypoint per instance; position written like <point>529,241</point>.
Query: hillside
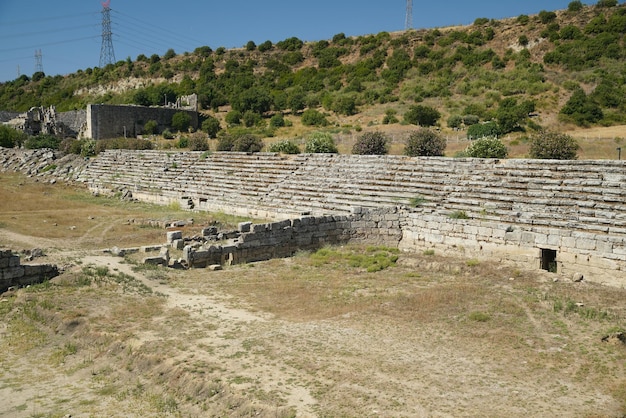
<point>563,68</point>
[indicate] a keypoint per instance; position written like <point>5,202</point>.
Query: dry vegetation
<point>312,335</point>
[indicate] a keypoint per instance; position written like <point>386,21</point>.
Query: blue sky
<point>68,32</point>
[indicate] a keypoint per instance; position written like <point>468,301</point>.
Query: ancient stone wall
<point>13,273</point>
<point>113,121</point>
<point>273,240</point>
<point>568,216</point>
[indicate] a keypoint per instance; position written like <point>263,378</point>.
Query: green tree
<point>575,6</point>
<point>181,121</point>
<point>581,109</point>
<point>169,54</point>
<point>277,121</point>
<point>265,46</point>
<point>487,148</point>
<point>151,127</point>
<point>606,3</point>
<point>320,142</point>
<point>553,145</point>
<point>425,143</point>
<point>422,115</point>
<point>233,118</point>
<point>250,46</point>
<point>211,125</point>
<point>312,117</point>
<point>371,143</point>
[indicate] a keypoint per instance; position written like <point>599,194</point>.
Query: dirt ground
<point>315,335</point>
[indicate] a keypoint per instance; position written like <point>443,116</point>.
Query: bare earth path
<point>306,336</point>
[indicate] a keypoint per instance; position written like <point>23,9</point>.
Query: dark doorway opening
<point>548,260</point>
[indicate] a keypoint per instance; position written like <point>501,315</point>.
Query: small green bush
<point>425,143</point>
<point>458,214</point>
<point>277,121</point>
<point>248,143</point>
<point>183,142</point>
<point>284,147</point>
<point>198,142</point>
<point>371,143</point>
<point>151,127</point>
<point>320,142</point>
<point>487,148</point>
<point>10,137</point>
<point>225,143</point>
<point>312,117</point>
<point>553,145</point>
<point>483,130</point>
<point>42,141</point>
<point>167,134</point>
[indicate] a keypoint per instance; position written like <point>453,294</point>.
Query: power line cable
<point>66,41</point>
<point>45,32</point>
<point>151,28</point>
<point>39,20</point>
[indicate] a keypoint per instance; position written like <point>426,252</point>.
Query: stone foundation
<point>12,273</point>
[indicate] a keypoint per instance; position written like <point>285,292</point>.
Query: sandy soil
<point>428,337</point>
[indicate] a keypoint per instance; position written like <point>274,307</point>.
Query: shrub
<point>183,142</point>
<point>425,143</point>
<point>87,147</point>
<point>181,121</point>
<point>233,118</point>
<point>320,142</point>
<point>553,145</point>
<point>284,147</point>
<point>483,130</point>
<point>606,3</point>
<point>248,143</point>
<point>390,117</point>
<point>487,148</point>
<point>422,115</point>
<point>167,134</point>
<point>371,143</point>
<point>151,127</point>
<point>225,143</point>
<point>211,126</point>
<point>198,142</point>
<point>575,6</point>
<point>10,137</point>
<point>42,141</point>
<point>455,121</point>
<point>312,117</point>
<point>277,121</point>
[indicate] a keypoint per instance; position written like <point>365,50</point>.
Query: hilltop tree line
<point>462,73</point>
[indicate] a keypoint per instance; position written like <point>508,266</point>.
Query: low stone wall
<point>284,238</point>
<point>12,273</point>
<point>273,240</point>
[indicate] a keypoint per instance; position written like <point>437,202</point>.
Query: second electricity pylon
<point>38,61</point>
<point>107,55</point>
<point>408,21</point>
